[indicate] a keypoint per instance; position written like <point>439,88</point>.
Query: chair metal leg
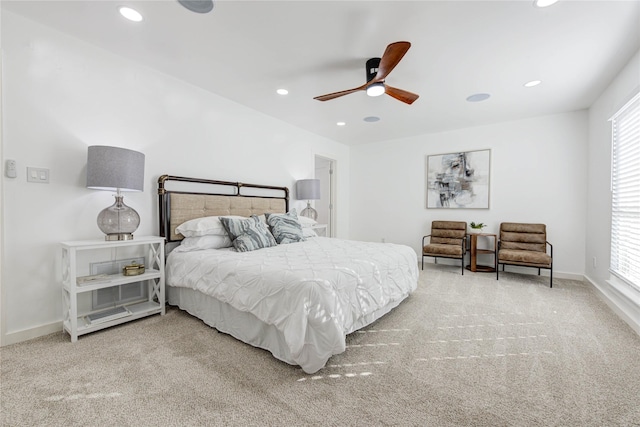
<point>551,277</point>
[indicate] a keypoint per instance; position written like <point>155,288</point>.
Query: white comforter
<point>314,292</point>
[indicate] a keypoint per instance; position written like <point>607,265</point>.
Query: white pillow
<point>208,225</point>
<point>209,241</point>
<point>308,232</point>
<point>306,222</point>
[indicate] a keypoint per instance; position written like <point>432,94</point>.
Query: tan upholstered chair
<point>524,245</point>
<point>448,239</point>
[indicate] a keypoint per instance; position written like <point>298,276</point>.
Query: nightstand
<point>77,281</point>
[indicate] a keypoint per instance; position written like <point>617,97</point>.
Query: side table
<point>76,259</point>
<point>475,251</point>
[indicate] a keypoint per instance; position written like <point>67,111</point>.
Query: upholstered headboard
<point>196,198</point>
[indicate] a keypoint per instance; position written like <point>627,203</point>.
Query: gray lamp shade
<point>114,168</point>
<point>308,189</point>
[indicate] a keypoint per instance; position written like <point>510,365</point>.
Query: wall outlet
<point>383,240</point>
<point>595,263</point>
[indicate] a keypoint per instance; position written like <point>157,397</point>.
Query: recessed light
<point>341,124</point>
<point>532,83</point>
<point>478,97</point>
<point>282,92</point>
<point>544,3</point>
<point>371,119</point>
<point>130,14</point>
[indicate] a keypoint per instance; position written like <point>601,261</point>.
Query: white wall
<point>538,174</point>
<point>598,242</point>
<point>61,95</point>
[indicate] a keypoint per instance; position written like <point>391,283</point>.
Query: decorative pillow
<point>306,222</point>
<point>248,234</point>
<point>208,225</point>
<point>206,242</point>
<point>285,227</point>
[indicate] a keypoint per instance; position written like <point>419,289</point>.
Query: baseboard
<point>31,333</point>
<point>627,309</point>
<point>510,269</point>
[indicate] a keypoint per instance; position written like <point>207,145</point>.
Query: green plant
<point>478,226</point>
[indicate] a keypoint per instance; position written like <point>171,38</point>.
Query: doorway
<point>326,173</point>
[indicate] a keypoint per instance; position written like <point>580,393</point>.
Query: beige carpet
<point>462,350</point>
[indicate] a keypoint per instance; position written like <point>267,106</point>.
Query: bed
<point>298,300</point>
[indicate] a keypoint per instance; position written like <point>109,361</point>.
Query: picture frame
<point>458,180</point>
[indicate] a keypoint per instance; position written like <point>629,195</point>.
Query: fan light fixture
<point>375,89</point>
<point>376,72</point>
<point>532,83</point>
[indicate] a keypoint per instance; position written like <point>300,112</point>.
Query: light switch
<point>40,175</point>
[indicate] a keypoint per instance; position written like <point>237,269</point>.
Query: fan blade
<point>401,95</point>
<point>339,94</point>
<point>390,58</point>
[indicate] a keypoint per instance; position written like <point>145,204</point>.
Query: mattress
<point>299,300</point>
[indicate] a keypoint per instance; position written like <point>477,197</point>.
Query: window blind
<point>625,192</point>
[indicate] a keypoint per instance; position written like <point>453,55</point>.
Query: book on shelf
<point>84,280</point>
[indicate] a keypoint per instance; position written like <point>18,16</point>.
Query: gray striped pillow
<point>285,227</point>
<point>248,234</point>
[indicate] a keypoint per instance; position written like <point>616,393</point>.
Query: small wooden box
<point>133,269</point>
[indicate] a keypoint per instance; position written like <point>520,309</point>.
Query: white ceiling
<point>245,50</point>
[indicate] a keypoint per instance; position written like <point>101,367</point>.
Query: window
<point>625,193</point>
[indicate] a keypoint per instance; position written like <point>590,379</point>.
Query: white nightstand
<point>76,259</point>
<point>320,229</point>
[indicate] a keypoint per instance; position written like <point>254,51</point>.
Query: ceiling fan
<point>377,70</point>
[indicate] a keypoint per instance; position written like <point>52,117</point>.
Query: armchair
<point>448,239</point>
<point>524,245</point>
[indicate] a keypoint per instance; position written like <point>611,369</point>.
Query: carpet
<point>460,351</point>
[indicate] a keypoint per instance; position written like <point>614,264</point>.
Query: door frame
<point>332,217</point>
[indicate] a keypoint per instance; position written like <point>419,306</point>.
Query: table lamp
<point>308,189</point>
<point>116,169</point>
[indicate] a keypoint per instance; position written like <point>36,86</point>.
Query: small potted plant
<point>477,228</point>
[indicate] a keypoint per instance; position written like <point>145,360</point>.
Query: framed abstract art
<point>458,180</point>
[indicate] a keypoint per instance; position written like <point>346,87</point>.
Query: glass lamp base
<point>309,212</point>
<point>118,221</point>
